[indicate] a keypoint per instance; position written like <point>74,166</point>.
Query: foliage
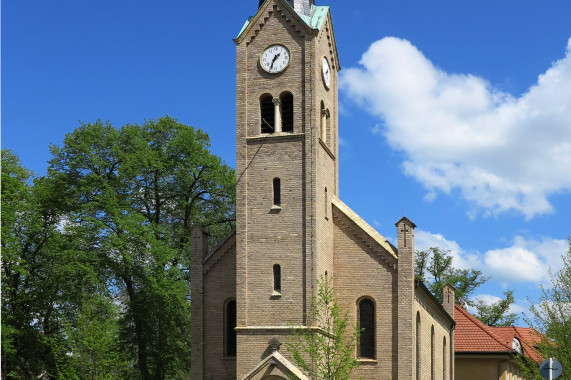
<point>434,268</point>
<point>41,278</point>
<point>95,255</point>
<point>496,314</point>
<point>324,350</point>
<point>551,316</point>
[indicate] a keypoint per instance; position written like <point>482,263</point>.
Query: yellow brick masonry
<point>310,234</point>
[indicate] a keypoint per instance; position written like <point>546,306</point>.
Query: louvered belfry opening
<point>286,100</point>
<point>267,114</point>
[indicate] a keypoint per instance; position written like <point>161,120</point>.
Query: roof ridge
<point>485,328</point>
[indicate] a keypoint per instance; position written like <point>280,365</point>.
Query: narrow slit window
<point>367,324</point>
<point>326,203</point>
<point>417,346</point>
<point>444,358</point>
<point>323,124</point>
<point>267,114</point>
<point>277,192</point>
<point>432,354</point>
<point>277,278</point>
<point>286,100</point>
<point>230,328</point>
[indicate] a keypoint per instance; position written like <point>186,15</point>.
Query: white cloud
<point>424,240</point>
<point>490,299</point>
<point>525,260</point>
<point>458,132</point>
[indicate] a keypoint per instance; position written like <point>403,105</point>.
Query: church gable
<point>326,32</point>
<point>271,8</point>
<point>225,246</point>
<point>275,366</point>
<point>374,242</point>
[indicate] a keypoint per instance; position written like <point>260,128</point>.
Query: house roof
<point>473,336</point>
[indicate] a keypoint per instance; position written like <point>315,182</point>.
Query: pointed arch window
<point>367,326</point>
<point>286,100</point>
<point>229,329</point>
<point>267,114</point>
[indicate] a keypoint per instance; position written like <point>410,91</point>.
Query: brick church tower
<point>291,227</point>
<point>286,168</point>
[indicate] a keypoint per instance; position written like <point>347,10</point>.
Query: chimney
<point>406,315</point>
<point>448,299</point>
<point>198,251</point>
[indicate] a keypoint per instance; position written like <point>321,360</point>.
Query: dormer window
<point>516,345</point>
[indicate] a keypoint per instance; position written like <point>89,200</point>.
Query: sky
<point>456,114</point>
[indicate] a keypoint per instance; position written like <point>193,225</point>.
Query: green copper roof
<point>314,22</point>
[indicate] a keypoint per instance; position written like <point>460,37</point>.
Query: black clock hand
<point>273,60</point>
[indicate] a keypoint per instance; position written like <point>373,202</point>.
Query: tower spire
<point>302,7</point>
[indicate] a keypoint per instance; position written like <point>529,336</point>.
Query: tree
<point>42,278</point>
<point>434,268</point>
<point>325,349</point>
<point>496,314</point>
<point>131,196</point>
<point>551,317</point>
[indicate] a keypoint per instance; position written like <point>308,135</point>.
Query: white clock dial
<point>326,71</point>
<point>275,59</point>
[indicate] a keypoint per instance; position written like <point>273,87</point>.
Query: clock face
<point>275,59</point>
<point>326,71</point>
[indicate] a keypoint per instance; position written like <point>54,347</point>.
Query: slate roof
<point>473,336</point>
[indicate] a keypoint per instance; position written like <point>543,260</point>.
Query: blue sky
<point>456,114</point>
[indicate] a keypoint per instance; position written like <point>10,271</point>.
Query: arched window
<point>230,332</point>
<point>277,192</point>
<point>367,326</point>
<point>277,278</point>
<point>444,359</point>
<point>267,113</point>
<point>417,346</point>
<point>432,348</point>
<point>286,100</point>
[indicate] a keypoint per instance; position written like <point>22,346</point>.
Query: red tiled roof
<point>471,335</point>
<point>528,337</point>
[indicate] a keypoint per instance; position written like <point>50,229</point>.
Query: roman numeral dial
<point>275,59</point>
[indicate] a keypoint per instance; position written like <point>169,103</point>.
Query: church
<point>292,228</point>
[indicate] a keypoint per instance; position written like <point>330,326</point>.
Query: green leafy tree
<point>45,275</point>
<point>131,195</point>
<point>325,350</point>
<point>36,291</point>
<point>497,314</point>
<point>551,317</point>
<point>434,268</point>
